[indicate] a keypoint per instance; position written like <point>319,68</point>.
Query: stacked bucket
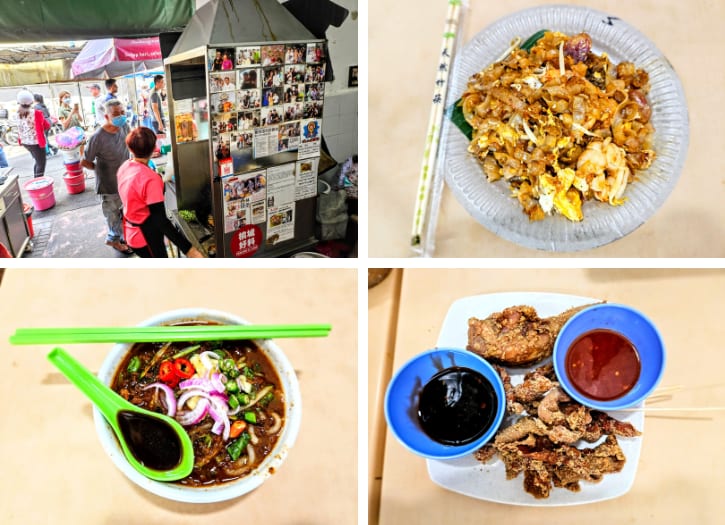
<point>69,142</point>
<point>74,178</point>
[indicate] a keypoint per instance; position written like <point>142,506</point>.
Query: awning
<point>34,73</point>
<point>44,20</point>
<point>114,57</point>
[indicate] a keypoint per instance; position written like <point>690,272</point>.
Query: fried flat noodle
<point>561,124</point>
<point>541,443</point>
<point>516,336</point>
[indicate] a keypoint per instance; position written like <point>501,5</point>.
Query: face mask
<point>66,100</point>
<point>119,121</point>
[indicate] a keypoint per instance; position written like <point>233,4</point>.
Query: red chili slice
<point>183,368</point>
<point>167,374</point>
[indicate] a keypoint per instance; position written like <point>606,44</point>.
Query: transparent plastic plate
<point>488,481</point>
<point>491,204</point>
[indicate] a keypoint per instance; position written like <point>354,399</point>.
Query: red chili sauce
<point>602,364</point>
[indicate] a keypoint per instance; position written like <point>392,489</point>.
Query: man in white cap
<point>105,152</point>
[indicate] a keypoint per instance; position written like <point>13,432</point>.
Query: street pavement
<point>75,226</point>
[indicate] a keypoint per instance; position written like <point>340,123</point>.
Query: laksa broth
<point>227,395</point>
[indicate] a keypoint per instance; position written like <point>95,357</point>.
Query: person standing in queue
<point>31,130</point>
<point>111,90</point>
<point>67,115</point>
<point>105,152</point>
<point>40,105</point>
<point>95,90</point>
<point>157,112</point>
<point>142,193</point>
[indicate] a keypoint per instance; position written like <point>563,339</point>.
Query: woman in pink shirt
<point>142,193</point>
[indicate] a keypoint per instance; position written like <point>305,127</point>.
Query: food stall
<point>245,91</point>
<point>14,229</point>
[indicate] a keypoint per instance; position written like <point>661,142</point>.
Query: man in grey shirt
<point>105,152</point>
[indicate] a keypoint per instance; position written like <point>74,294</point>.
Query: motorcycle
<point>9,133</point>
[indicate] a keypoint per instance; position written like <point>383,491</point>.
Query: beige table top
<point>383,302</point>
<point>54,469</point>
<point>403,59</point>
<point>679,477</point>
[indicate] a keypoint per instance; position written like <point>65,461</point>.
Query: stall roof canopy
<point>23,53</point>
<point>44,20</point>
<point>221,22</point>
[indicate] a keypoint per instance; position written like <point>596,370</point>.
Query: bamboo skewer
<point>671,409</point>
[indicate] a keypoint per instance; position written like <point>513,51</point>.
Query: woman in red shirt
<point>142,193</point>
<point>31,130</point>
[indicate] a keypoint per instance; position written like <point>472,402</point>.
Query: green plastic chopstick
<point>153,334</point>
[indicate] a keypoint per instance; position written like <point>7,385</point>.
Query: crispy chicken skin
<point>542,440</point>
<point>517,336</point>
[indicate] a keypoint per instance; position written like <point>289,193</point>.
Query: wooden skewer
<point>659,398</point>
<point>672,409</point>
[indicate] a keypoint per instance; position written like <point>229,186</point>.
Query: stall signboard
<point>246,241</point>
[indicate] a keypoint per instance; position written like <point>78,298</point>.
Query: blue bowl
<point>633,325</point>
<point>401,401</point>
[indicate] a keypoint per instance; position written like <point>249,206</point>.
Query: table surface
<point>54,469</point>
<point>382,322</point>
<point>678,480</point>
<point>403,70</point>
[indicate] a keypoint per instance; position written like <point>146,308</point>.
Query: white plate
<point>488,481</point>
<point>491,204</point>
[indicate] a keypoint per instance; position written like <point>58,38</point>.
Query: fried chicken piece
<point>564,435</point>
<point>516,336</point>
<point>485,453</point>
<point>512,407</point>
<point>602,424</point>
<point>578,417</point>
<point>532,389</point>
<point>549,411</point>
<point>519,430</point>
<point>546,464</point>
<point>537,480</point>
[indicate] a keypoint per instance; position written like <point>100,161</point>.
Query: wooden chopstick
<point>424,213</point>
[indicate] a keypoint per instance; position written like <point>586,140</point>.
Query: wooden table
<point>402,73</point>
<point>679,477</point>
<point>53,467</point>
<point>383,303</point>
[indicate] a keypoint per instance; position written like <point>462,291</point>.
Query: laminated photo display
<point>244,199</point>
<point>306,178</point>
<point>272,92</point>
<point>311,139</point>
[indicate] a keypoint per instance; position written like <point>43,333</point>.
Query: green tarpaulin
<point>48,20</point>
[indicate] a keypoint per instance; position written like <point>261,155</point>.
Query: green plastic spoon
<point>155,445</point>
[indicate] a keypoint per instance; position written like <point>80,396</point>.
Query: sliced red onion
<point>169,395</point>
<point>216,381</point>
<point>188,394</point>
<point>197,382</point>
<point>194,416</point>
<point>216,399</point>
<point>221,422</point>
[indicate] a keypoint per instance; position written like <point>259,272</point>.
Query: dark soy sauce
<point>153,442</point>
<point>457,406</point>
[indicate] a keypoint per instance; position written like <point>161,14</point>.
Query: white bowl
<point>224,491</point>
